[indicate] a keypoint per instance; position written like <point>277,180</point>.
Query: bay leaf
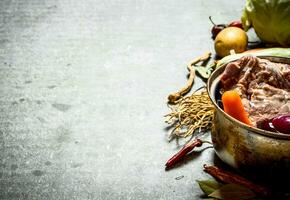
<point>203,72</point>
<point>209,186</point>
<point>233,191</point>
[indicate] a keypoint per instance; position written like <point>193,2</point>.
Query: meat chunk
<point>263,85</point>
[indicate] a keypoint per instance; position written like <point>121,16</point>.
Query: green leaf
<point>205,73</point>
<point>209,186</point>
<point>233,191</point>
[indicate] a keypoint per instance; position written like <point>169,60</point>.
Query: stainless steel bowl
<point>242,146</point>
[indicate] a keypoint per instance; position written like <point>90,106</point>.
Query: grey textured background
<point>83,94</point>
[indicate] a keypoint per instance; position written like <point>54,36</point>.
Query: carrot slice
<point>233,106</point>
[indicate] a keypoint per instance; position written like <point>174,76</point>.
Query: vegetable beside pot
<point>270,20</point>
<point>230,38</point>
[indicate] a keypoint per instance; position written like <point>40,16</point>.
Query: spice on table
<point>205,71</point>
<point>182,153</point>
<point>229,177</point>
<point>189,114</point>
<point>172,98</point>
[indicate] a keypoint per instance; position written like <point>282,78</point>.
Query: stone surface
<point>83,95</point>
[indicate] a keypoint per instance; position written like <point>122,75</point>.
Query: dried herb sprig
<point>189,114</point>
<point>172,98</point>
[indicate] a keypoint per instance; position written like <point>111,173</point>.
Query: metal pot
<point>244,147</point>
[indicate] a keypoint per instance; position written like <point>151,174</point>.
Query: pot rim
<point>216,74</point>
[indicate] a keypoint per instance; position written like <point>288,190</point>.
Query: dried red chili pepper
<point>182,153</point>
<point>229,177</point>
